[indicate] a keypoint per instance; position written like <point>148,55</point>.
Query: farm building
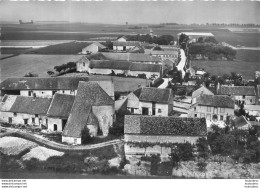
<point>212,107</point>
<point>150,101</point>
<point>92,108</point>
<point>201,91</point>
<point>127,68</point>
<point>147,135</point>
<point>59,111</point>
<point>47,87</point>
<point>194,36</point>
<point>241,94</point>
<point>25,110</point>
<point>121,39</point>
<point>93,48</point>
<point>163,54</point>
<point>125,45</point>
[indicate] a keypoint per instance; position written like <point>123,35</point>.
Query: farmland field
<point>247,69</point>
<point>18,66</point>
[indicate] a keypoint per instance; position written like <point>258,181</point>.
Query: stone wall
<point>71,140</point>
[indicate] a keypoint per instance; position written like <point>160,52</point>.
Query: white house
<point>147,135</point>
<point>241,94</point>
<point>25,110</point>
<point>150,101</point>
<point>92,108</point>
<point>212,107</point>
<point>93,48</point>
<point>125,45</point>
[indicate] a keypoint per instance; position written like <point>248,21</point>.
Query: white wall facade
<point>93,130</point>
<point>246,99</point>
<point>71,140</point>
<point>82,66</point>
<point>148,74</point>
<point>20,117</point>
<point>105,71</point>
<point>46,93</point>
<point>105,117</point>
<point>160,109</point>
<point>52,121</point>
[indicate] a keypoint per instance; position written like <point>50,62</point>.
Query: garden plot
<point>41,153</point>
<point>14,145</point>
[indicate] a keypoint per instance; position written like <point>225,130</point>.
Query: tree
<point>174,157</point>
<point>183,39</point>
<point>29,74</point>
<point>85,136</point>
<point>203,148</point>
<point>155,159</point>
<point>50,73</point>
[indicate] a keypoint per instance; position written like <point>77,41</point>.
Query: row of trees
<point>161,40</point>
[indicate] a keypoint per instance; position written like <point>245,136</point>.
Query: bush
<point>117,129</point>
<point>203,148</point>
<point>85,136</point>
<point>202,166</point>
<point>155,160</point>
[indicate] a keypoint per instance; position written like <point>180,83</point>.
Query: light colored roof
<point>101,46</point>
<point>202,90</point>
<point>158,125</point>
<point>252,107</point>
<point>237,90</point>
<point>26,105</point>
<point>196,34</point>
<point>126,43</point>
<point>120,104</point>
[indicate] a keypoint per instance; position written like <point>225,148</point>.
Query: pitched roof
<point>216,101</point>
<point>26,105</point>
<point>151,94</point>
<point>201,90</point>
<point>126,43</point>
<point>145,67</point>
<point>101,46</point>
<point>35,83</point>
<point>161,52</point>
<point>135,57</point>
<point>237,90</point>
<point>110,64</point>
<point>240,121</point>
<point>7,102</point>
<point>61,106</point>
<point>92,119</point>
<point>88,94</point>
<point>158,125</point>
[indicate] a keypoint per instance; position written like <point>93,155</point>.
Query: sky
<point>132,12</point>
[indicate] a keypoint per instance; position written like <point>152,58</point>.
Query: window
<point>195,115</point>
<point>208,109</point>
<point>63,91</point>
<point>15,114</point>
<point>42,92</point>
<point>83,64</point>
<point>159,110</point>
<point>208,117</point>
<point>221,118</point>
<point>132,110</point>
<point>194,108</point>
<point>36,115</point>
<point>244,96</point>
<point>153,111</point>
<point>202,115</point>
<point>251,100</point>
<point>30,93</point>
<point>222,110</point>
<point>10,120</point>
<point>33,120</point>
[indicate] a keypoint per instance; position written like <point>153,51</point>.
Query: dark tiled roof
<point>110,64</point>
<point>138,92</point>
<point>216,101</point>
<point>135,57</point>
<point>61,106</point>
<point>127,43</point>
<point>151,94</point>
<point>88,94</point>
<point>145,67</point>
<point>34,83</point>
<point>157,125</point>
<point>240,121</point>
<point>237,90</point>
<point>30,105</point>
<point>92,119</point>
<point>96,56</point>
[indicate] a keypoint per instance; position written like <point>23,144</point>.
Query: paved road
<point>182,63</point>
<point>165,83</point>
<point>54,145</point>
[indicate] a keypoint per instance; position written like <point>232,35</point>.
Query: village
<point>179,118</point>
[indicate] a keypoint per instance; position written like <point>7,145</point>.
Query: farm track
<point>57,146</point>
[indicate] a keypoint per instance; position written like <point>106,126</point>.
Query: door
<point>10,120</point>
<point>25,121</point>
<point>145,111</point>
<point>64,121</point>
<point>124,48</point>
<point>55,127</point>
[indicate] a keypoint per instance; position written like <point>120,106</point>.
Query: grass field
<point>18,66</point>
<point>247,69</point>
<point>248,55</point>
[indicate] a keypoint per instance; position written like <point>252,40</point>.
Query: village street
<point>54,145</point>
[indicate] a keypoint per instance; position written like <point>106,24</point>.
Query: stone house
<point>241,94</point>
<point>47,87</point>
<point>201,91</point>
<point>93,48</point>
<point>25,110</point>
<point>147,135</point>
<point>59,111</point>
<point>150,101</point>
<point>92,108</point>
<point>208,106</point>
